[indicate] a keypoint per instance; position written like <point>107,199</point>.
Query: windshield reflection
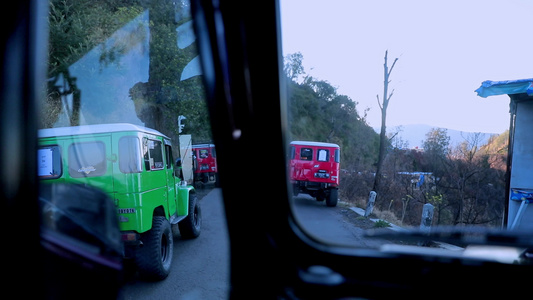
<point>141,68</point>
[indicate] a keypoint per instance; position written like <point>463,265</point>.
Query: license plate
<point>126,210</point>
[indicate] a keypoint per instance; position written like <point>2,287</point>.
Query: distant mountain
<point>415,135</point>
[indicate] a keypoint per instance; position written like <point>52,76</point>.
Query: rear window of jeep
<point>322,155</point>
<point>306,154</point>
<point>87,159</point>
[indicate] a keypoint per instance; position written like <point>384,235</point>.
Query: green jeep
<point>134,166</point>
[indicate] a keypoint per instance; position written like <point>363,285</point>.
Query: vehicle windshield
<point>402,87</point>
<point>407,131</point>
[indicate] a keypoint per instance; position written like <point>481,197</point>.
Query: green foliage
<point>435,200</point>
<point>80,26</point>
<point>437,142</point>
<point>293,67</point>
<point>381,224</point>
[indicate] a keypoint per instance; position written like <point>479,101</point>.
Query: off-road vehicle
<point>314,170</point>
<point>134,165</point>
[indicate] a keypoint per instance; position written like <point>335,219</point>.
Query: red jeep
<point>205,163</point>
<point>314,170</point>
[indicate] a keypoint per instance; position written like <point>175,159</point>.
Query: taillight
<point>129,236</point>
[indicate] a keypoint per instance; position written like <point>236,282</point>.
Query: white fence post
<point>370,205</point>
<point>427,218</point>
<point>425,223</point>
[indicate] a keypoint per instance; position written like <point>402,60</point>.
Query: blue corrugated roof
<point>492,88</point>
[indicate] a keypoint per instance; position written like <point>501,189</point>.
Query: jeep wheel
<point>191,226</point>
<point>295,190</point>
<point>332,197</point>
<point>154,257</point>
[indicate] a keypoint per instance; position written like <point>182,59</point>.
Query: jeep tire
<point>332,197</point>
<point>191,226</point>
<point>154,257</point>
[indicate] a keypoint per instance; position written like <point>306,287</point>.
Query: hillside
<point>415,134</point>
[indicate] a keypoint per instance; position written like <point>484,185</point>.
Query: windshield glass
<point>124,106</point>
<point>397,86</point>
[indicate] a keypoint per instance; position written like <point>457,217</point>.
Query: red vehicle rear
<point>205,163</point>
<point>314,170</point>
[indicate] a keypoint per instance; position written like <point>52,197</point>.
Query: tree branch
<point>379,103</point>
<point>392,67</point>
<point>390,95</point>
<point>393,136</point>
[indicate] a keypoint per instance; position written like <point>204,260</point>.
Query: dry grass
<point>385,215</point>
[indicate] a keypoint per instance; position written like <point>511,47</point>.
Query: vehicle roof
<point>320,144</point>
<point>96,128</point>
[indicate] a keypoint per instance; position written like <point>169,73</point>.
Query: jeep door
<point>302,163</point>
<point>326,165</point>
<point>172,180</point>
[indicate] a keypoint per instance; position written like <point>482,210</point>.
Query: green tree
<point>165,96</point>
<point>77,27</point>
<point>293,66</point>
<point>437,142</point>
<point>435,157</point>
<point>436,148</point>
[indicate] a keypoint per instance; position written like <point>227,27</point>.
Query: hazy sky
<point>445,49</point>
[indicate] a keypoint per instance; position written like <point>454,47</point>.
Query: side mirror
<point>178,172</point>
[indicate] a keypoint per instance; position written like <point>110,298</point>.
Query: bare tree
<point>383,106</point>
